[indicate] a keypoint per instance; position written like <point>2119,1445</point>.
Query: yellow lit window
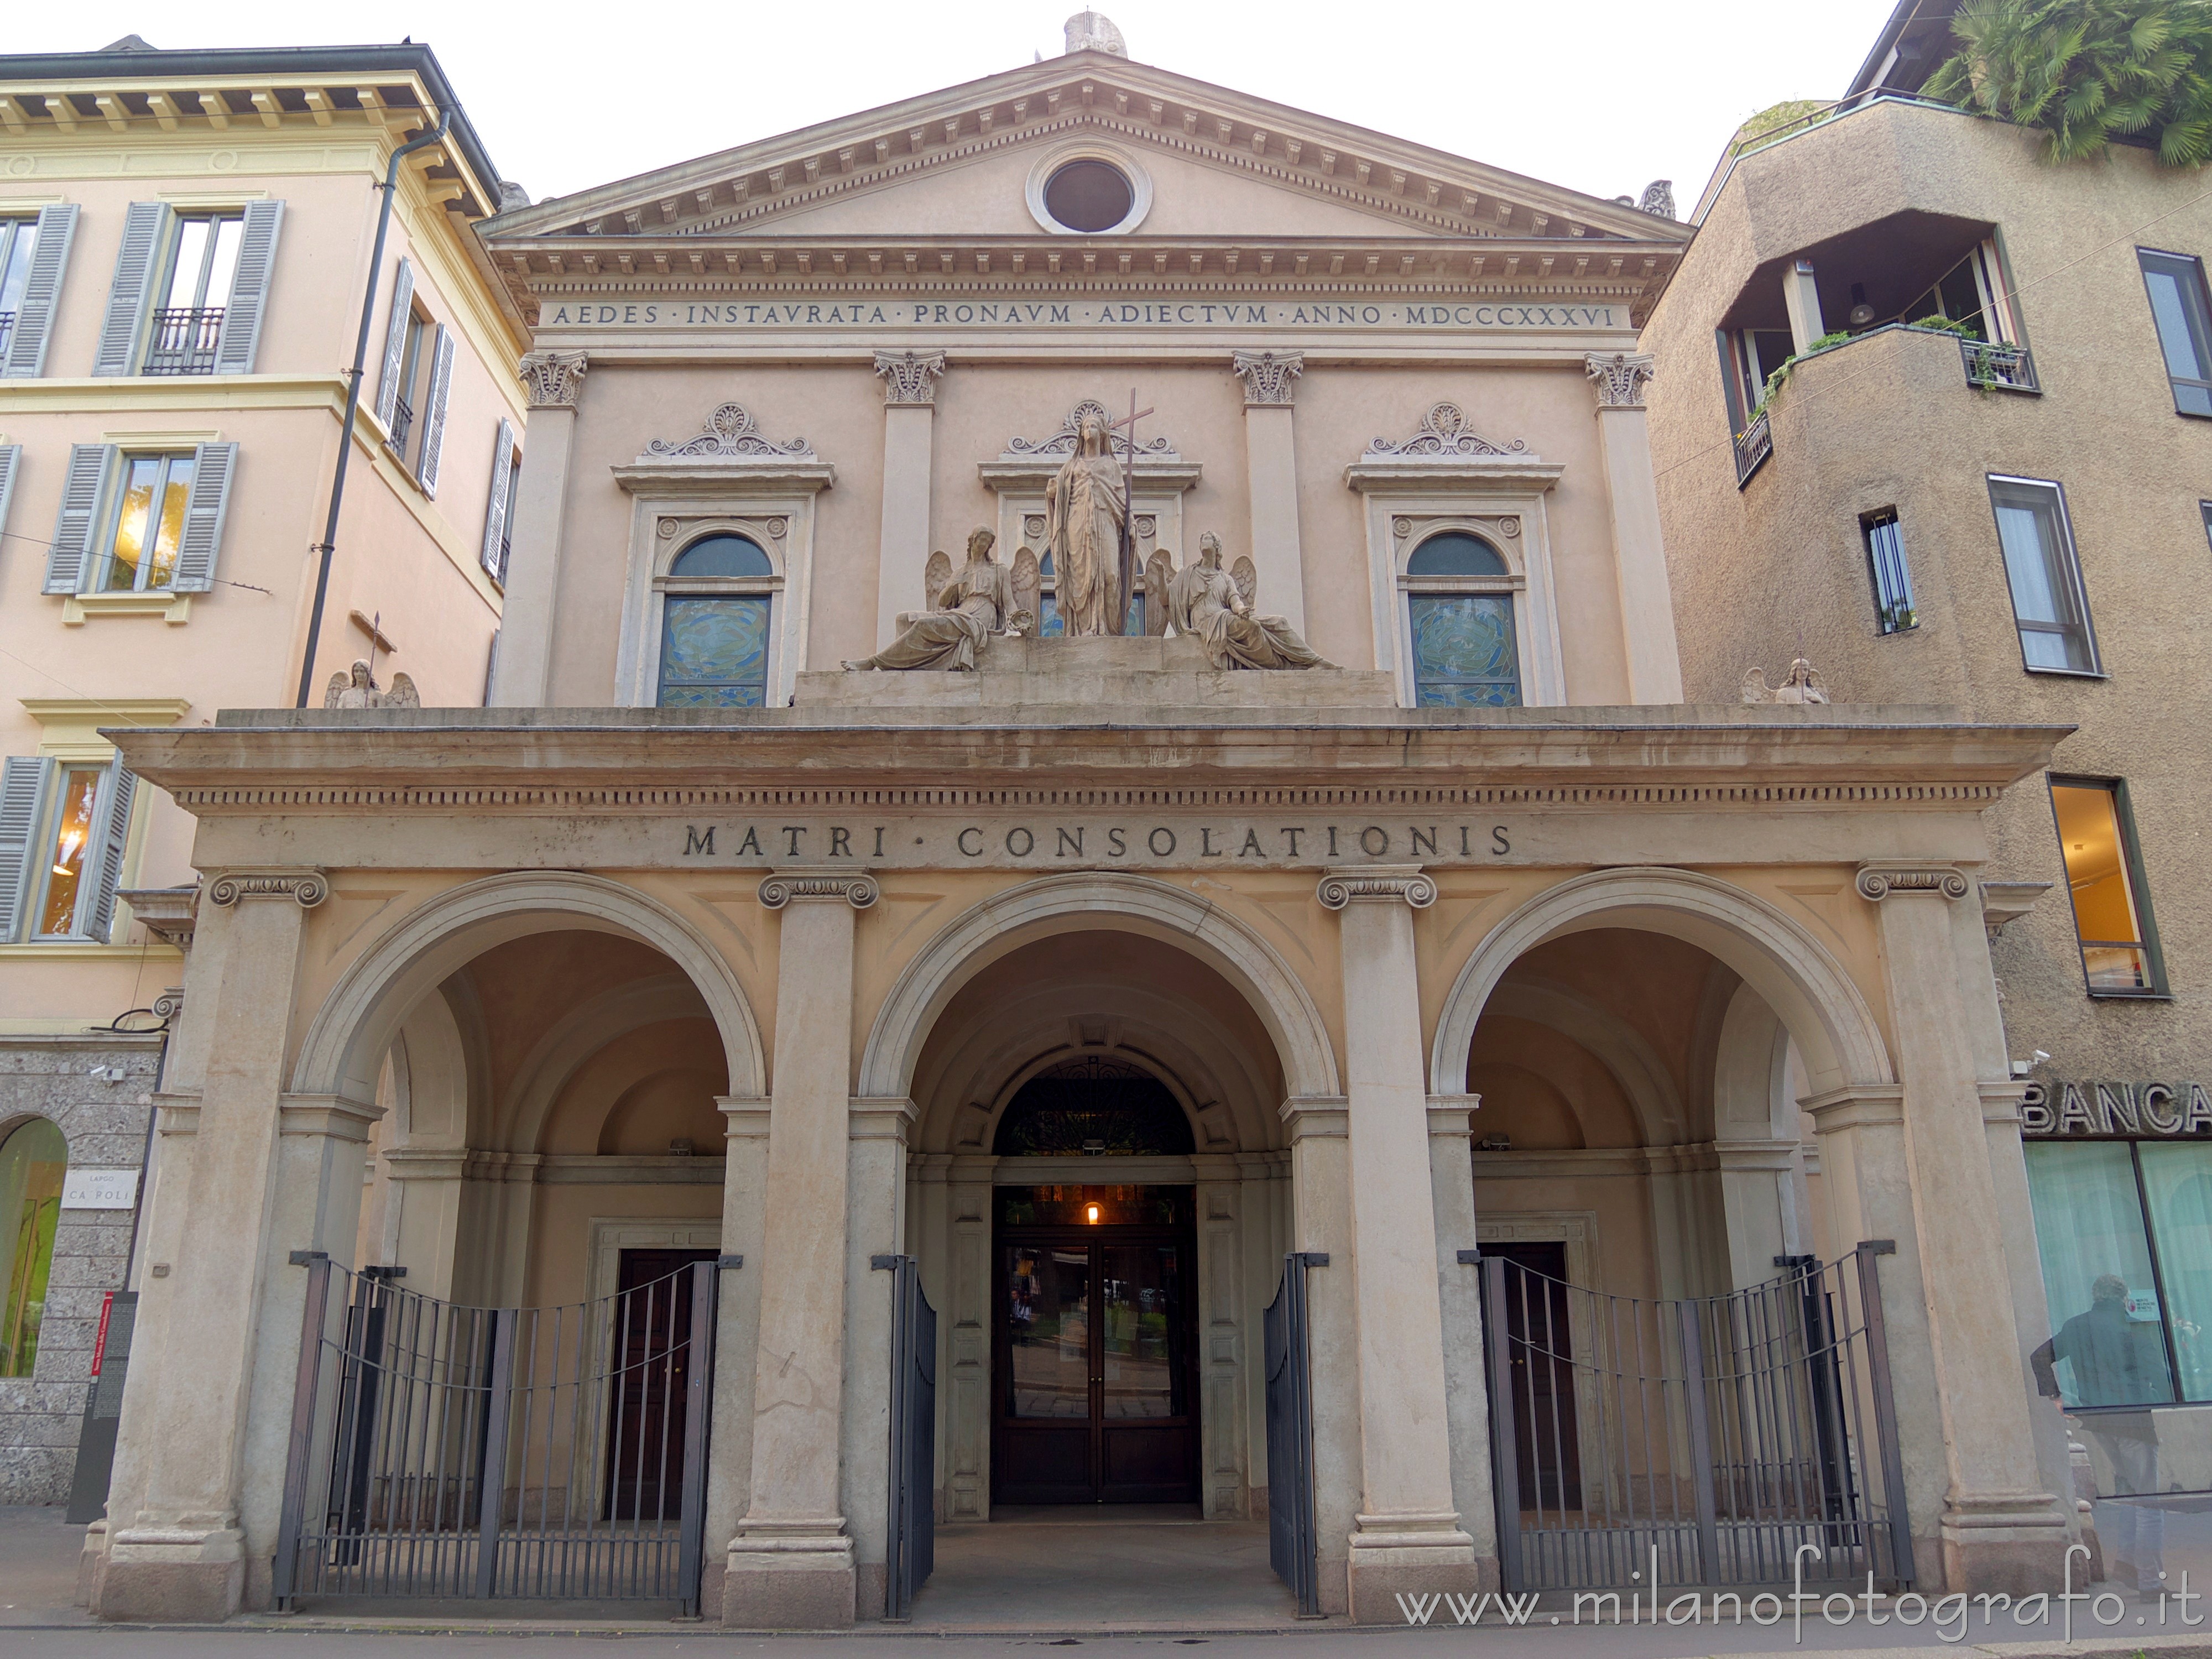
<point>68,850</point>
<point>2116,954</point>
<point>32,1160</point>
<point>150,522</point>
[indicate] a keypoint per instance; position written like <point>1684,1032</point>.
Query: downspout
<point>329,545</point>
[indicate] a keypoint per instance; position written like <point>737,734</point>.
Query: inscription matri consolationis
<point>1155,843</point>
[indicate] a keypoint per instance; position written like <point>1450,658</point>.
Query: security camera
<point>2040,1057</point>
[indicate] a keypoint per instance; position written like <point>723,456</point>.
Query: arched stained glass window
<point>1458,612</point>
<point>716,609</point>
<point>32,1160</point>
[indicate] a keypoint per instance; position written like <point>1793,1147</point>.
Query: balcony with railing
<point>184,340</point>
<point>7,331</point>
<point>402,418</point>
<point>1753,446</point>
<point>1995,366</point>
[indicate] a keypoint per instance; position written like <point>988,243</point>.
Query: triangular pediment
<point>1237,166</point>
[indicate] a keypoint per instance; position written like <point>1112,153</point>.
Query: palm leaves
<point>2087,72</point>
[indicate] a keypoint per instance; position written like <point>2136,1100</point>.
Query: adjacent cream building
<point>1206,1047</point>
<point>185,244</point>
<point>1984,481</point>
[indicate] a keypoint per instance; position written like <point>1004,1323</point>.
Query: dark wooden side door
<point>1546,1453</point>
<point>646,1391</point>
<point>1095,1367</point>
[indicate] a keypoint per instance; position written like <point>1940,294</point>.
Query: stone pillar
<point>177,1544</point>
<point>1407,1537</point>
<point>964,1314</point>
<point>422,1216</point>
<point>1639,550</point>
<point>909,415</point>
<point>1218,1274</point>
<point>875,1181</point>
<point>2000,1530</point>
<point>1467,1392</point>
<point>1758,1199</point>
<point>1321,1221</point>
<point>791,1564</point>
<point>1802,299</point>
<point>737,1335</point>
<point>1271,463</point>
<point>523,674</point>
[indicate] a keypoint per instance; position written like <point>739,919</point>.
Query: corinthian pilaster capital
<point>1880,881</point>
<point>910,377</point>
<point>305,888</point>
<point>1386,884</point>
<point>1269,377</point>
<point>858,890</point>
<point>554,378</point>
<point>1621,377</point>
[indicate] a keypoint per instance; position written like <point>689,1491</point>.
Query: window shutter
<point>10,454</point>
<point>20,782</point>
<point>83,491</point>
<point>395,342</point>
<point>502,473</point>
<point>212,466</point>
<point>35,310</point>
<point>249,289</point>
<point>109,841</point>
<point>145,228</point>
<point>433,431</point>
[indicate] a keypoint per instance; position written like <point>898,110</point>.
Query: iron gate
<point>912,1546</point>
<point>1291,1526</point>
<point>1697,1441</point>
<point>447,1452</point>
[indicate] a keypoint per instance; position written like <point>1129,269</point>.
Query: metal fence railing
<point>184,340</point>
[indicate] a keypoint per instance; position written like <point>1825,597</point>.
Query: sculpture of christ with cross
<point>1092,529</point>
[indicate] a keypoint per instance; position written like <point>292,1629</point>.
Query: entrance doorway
<point>1547,1449</point>
<point>651,1384</point>
<point>1094,1356</point>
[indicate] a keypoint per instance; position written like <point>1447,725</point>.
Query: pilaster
<point>877,1131</point>
<point>521,678</point>
<point>1639,550</point>
<point>1271,463</point>
<point>910,416</point>
<point>1407,1537</point>
<point>737,1339</point>
<point>1467,1394</point>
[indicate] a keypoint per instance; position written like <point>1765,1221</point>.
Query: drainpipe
<point>329,545</point>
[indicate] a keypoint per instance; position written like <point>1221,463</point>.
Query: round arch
<point>1817,1000</point>
<point>1110,901</point>
<point>346,1042</point>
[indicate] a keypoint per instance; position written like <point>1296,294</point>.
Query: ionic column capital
<point>909,378</point>
<point>305,887</point>
<point>554,378</point>
<point>1270,377</point>
<point>858,890</point>
<point>1621,377</point>
<point>1877,882</point>
<point>1376,883</point>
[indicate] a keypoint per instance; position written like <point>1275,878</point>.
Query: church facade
<point>1173,1011</point>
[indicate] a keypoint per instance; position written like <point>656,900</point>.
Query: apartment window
<point>190,290</point>
<point>499,503</point>
<point>1893,608</point>
<point>717,603</point>
<point>2205,509</point>
<point>2178,306</point>
<point>19,243</point>
<point>415,362</point>
<point>64,826</point>
<point>34,1158</point>
<point>1459,618</point>
<point>150,523</point>
<point>188,314</point>
<point>418,371</point>
<point>2104,875</point>
<point>2048,601</point>
<point>140,523</point>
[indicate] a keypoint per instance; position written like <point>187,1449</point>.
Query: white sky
<point>1600,95</point>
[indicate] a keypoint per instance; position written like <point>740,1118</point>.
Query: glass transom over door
<point>1095,1402</point>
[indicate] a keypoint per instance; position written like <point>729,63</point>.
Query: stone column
<point>1224,1493</point>
<point>1271,466</point>
<point>909,415</point>
<point>1321,1221</point>
<point>1639,551</point>
<point>1407,1537</point>
<point>177,1544</point>
<point>2000,1530</point>
<point>521,676</point>
<point>791,1564</point>
<point>1467,1392</point>
<point>964,1388</point>
<point>737,1335</point>
<point>875,1181</point>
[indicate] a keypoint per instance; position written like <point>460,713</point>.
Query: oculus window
<point>716,607</point>
<point>32,1160</point>
<point>2179,307</point>
<point>2048,602</point>
<point>1460,624</point>
<point>1089,196</point>
<point>2104,878</point>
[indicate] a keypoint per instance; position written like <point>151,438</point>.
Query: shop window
<point>2048,601</point>
<point>717,604</point>
<point>1460,623</point>
<point>2184,319</point>
<point>1894,610</point>
<point>32,1160</point>
<point>2104,875</point>
<point>2177,1181</point>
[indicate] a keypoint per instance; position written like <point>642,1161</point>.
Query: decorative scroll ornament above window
<point>1444,431</point>
<point>1063,442</point>
<point>730,431</point>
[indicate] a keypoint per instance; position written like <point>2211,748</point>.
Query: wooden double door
<point>1094,1366</point>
